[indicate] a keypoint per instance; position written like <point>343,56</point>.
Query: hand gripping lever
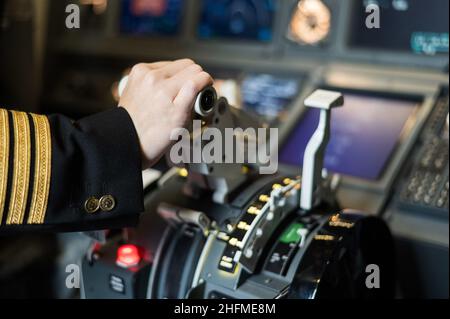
<point>315,150</point>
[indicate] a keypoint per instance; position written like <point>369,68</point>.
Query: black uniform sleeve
<point>60,175</point>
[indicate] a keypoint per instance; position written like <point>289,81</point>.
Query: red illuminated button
<point>128,256</point>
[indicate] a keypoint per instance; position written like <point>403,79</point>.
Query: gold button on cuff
<point>92,205</point>
<point>107,203</point>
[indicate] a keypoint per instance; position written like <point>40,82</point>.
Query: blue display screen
<point>416,26</point>
<point>269,95</point>
<point>237,19</point>
<point>364,134</point>
<point>151,17</point>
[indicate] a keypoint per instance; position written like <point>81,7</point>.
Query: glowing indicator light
<point>183,172</point>
<point>226,265</point>
<point>324,237</point>
<point>227,259</point>
<point>253,210</point>
<point>235,242</point>
<point>243,226</point>
<point>128,256</point>
<point>223,236</point>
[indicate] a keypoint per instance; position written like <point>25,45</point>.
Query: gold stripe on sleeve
<point>21,171</point>
<point>42,171</point>
<point>4,158</point>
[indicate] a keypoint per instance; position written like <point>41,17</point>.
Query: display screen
<point>364,134</point>
<point>237,19</point>
<point>416,26</point>
<point>268,95</point>
<point>151,17</point>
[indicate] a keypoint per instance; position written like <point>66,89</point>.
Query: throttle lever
<point>315,150</point>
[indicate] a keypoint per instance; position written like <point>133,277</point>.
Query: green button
<point>292,234</point>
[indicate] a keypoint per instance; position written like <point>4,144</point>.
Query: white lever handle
<point>315,150</point>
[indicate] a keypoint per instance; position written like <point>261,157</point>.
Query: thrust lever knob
<point>206,101</point>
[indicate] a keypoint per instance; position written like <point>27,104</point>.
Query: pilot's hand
<point>159,98</point>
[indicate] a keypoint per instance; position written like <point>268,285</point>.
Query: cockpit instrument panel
<point>413,26</point>
<point>151,17</point>
<point>310,23</point>
<point>269,95</point>
<point>237,19</point>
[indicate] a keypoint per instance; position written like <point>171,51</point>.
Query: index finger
<point>188,93</point>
